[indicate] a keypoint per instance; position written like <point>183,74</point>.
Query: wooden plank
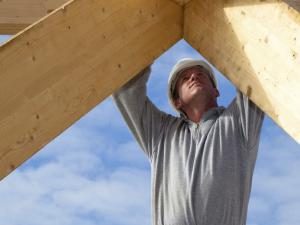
<point>15,15</point>
<point>256,45</point>
<point>60,68</point>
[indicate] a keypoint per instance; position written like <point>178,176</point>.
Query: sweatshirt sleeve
<point>143,118</point>
<point>249,119</point>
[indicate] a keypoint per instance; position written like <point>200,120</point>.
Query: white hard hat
<point>182,65</point>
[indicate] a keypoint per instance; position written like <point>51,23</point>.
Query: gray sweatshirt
<point>201,172</point>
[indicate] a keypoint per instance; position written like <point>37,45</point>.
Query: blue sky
<point>95,173</point>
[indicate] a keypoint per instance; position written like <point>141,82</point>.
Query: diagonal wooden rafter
<point>61,67</point>
<point>256,45</point>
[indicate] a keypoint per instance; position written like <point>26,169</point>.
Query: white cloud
<point>120,195</point>
<point>276,195</point>
<point>54,194</point>
<point>87,175</point>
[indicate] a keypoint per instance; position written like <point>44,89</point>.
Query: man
<point>202,162</point>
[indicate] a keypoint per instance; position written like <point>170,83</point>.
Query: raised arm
<point>141,115</point>
<point>248,118</point>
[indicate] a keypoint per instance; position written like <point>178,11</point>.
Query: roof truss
<point>15,15</point>
<point>60,67</point>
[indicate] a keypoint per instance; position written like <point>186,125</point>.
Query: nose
<point>193,76</point>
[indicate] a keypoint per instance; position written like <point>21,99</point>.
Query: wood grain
<point>61,67</point>
<point>256,45</point>
<point>15,15</point>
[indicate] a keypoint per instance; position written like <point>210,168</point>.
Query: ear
<point>177,103</point>
<point>216,92</point>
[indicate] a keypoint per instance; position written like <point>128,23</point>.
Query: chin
<point>199,90</point>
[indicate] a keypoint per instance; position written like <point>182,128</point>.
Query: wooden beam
<point>60,68</point>
<point>15,15</point>
<point>256,45</point>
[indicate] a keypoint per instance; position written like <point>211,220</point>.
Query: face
<point>194,84</point>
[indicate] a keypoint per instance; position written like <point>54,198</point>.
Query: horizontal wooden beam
<point>60,68</point>
<point>257,46</point>
<point>15,15</point>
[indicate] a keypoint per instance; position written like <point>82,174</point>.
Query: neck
<point>195,113</point>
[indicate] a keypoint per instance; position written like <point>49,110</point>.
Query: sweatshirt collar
<point>211,114</point>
